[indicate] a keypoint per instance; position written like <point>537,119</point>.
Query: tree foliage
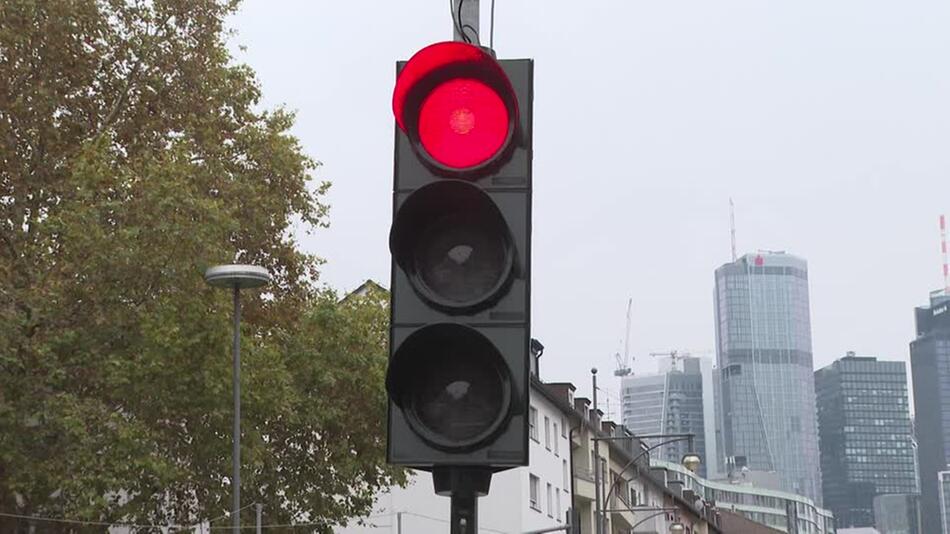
<point>133,155</point>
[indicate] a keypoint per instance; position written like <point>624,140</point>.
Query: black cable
<point>458,23</point>
<point>477,38</point>
<point>491,33</point>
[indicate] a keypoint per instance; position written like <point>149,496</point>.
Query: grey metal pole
<point>236,386</point>
<point>259,510</point>
<point>465,25</point>
<point>398,522</point>
<point>234,277</point>
<point>598,520</point>
<point>463,514</point>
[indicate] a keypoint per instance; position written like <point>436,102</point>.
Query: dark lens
<point>458,393</point>
<point>462,259</point>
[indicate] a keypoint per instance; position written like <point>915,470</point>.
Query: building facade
<point>528,498</point>
<point>930,369</point>
<point>781,510</point>
<point>634,499</point>
<point>557,487</point>
<point>865,436</point>
<point>763,341</point>
<point>943,490</point>
<point>669,403</point>
<point>897,514</point>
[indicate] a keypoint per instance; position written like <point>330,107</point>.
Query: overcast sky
<point>828,123</point>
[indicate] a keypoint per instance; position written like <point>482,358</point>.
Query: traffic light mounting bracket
<point>463,485</point>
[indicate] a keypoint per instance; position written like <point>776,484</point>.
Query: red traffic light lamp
<point>458,108</point>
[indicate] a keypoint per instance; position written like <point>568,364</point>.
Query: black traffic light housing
<point>460,240</point>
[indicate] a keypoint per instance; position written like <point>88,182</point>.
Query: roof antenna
<point>943,249</point>
<point>732,230</point>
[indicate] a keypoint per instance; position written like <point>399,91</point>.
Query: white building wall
<point>505,510</point>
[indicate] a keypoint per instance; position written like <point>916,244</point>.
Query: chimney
<point>537,349</point>
<point>582,405</point>
<point>595,417</point>
<point>564,391</point>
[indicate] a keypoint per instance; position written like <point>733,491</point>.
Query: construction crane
<point>674,356</point>
<point>623,364</point>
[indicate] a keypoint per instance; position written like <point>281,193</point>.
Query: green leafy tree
<point>133,154</point>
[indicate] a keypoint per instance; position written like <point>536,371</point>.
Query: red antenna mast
<point>943,250</point>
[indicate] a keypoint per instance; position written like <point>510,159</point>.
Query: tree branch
<point>132,77</point>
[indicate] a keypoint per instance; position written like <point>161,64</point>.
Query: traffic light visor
<point>452,385</point>
<point>457,106</point>
<point>453,244</point>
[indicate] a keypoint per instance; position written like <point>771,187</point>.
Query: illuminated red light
<point>455,103</point>
<point>463,123</point>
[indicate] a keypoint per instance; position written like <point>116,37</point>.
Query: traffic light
<point>461,263</point>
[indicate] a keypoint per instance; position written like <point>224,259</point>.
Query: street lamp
<point>677,528</point>
<point>237,277</point>
<point>691,461</point>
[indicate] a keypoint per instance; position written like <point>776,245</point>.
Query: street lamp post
<point>598,519</point>
<point>237,277</point>
<point>691,461</point>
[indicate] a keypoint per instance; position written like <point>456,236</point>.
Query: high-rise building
<point>767,395</point>
<point>668,403</point>
<point>943,489</point>
<point>865,436</point>
<point>930,368</point>
<point>897,514</point>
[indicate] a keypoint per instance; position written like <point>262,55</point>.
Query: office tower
<point>864,435</point>
<point>897,514</point>
<point>767,395</point>
<point>930,368</point>
<point>668,403</point>
<point>943,490</point>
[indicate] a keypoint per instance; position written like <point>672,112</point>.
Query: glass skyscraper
<point>930,368</point>
<point>668,403</point>
<point>767,394</point>
<point>865,436</point>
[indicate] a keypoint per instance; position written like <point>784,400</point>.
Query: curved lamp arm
<point>647,518</point>
<point>613,485</point>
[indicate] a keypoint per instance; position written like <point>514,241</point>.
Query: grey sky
<point>827,121</point>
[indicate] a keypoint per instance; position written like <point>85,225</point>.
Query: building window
<point>563,429</point>
<point>547,432</point>
<point>556,445</point>
<point>567,476</point>
<point>533,423</point>
<point>535,488</point>
<point>557,504</point>
<point>550,502</point>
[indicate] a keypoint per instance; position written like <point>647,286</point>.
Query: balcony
<point>584,484</point>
